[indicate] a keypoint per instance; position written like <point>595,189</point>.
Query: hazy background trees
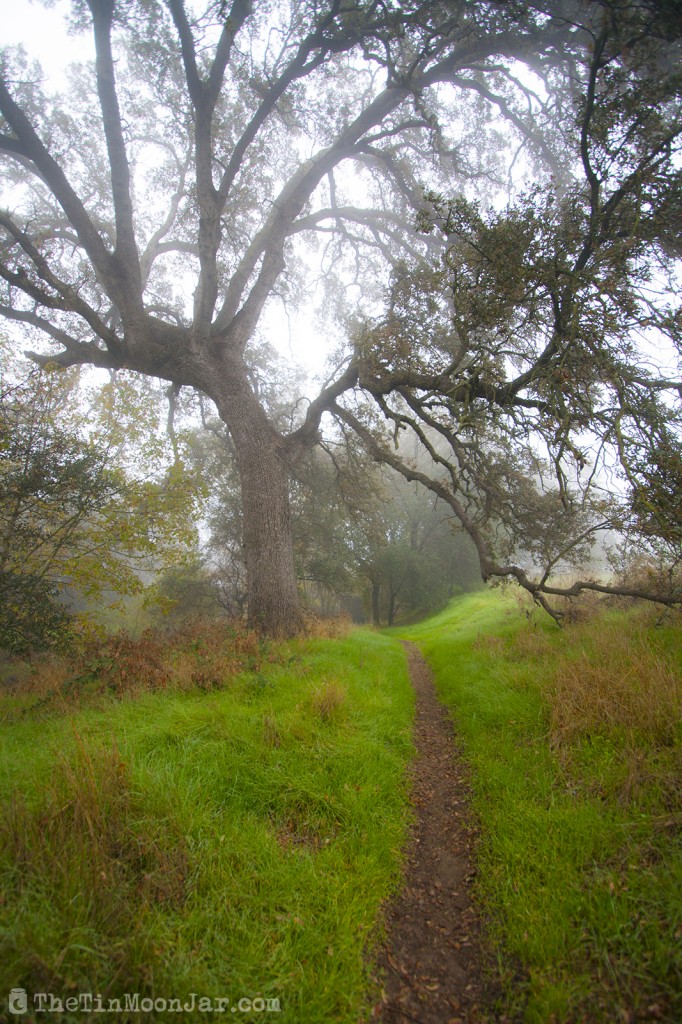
<point>366,543</point>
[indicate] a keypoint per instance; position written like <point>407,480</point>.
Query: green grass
<point>580,863</point>
<point>227,820</point>
<point>232,842</point>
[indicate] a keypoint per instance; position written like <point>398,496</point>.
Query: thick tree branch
<point>126,247</point>
<point>54,176</point>
<point>203,101</point>
<point>12,146</point>
<point>156,246</point>
<point>66,297</point>
<point>239,12</point>
<point>306,434</point>
<point>539,590</point>
<point>269,243</point>
<point>46,326</point>
<point>187,49</point>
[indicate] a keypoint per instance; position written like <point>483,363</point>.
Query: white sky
<point>43,34</point>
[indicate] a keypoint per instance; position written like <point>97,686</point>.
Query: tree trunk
<point>271,576</point>
<point>376,613</point>
<point>273,602</point>
<point>391,607</point>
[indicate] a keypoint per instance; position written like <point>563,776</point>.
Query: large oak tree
<point>211,141</point>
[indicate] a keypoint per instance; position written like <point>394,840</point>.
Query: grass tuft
<point>603,685</point>
<point>329,701</point>
<point>81,867</point>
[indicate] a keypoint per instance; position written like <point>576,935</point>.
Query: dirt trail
<point>431,965</point>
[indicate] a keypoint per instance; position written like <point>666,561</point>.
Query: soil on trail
<point>431,966</point>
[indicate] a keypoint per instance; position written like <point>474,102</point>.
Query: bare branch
<point>66,297</point>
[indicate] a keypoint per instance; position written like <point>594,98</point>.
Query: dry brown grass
<point>587,606</point>
<point>83,835</point>
<point>46,675</point>
<point>201,655</point>
<point>327,629</point>
<point>530,643</point>
<point>271,733</point>
<point>329,700</point>
<point>616,682</point>
<point>490,643</point>
<point>122,664</point>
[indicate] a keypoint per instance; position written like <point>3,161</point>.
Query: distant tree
<point>423,561</point>
<point>358,529</point>
<point>186,592</point>
<point>206,147</point>
<point>402,545</point>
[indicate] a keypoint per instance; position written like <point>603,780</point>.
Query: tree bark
<point>391,607</point>
<point>263,464</point>
<point>271,576</point>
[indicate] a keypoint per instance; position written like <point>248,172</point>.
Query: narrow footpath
<point>431,967</point>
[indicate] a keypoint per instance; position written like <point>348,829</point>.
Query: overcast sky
<point>42,32</point>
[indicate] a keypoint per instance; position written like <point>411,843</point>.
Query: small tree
<point>72,522</point>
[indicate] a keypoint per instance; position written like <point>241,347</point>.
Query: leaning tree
<point>209,142</point>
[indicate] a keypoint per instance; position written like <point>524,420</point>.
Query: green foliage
<point>187,591</point>
<point>75,522</point>
<point>30,618</point>
<point>538,344</point>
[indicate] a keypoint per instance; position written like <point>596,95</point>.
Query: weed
<point>327,628</point>
<point>609,686</point>
<point>271,734</point>
<point>208,656</point>
<point>84,853</point>
<point>123,664</point>
<point>329,700</point>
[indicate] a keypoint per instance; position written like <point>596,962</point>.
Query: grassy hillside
<point>218,816</point>
<point>575,742</point>
<point>223,821</point>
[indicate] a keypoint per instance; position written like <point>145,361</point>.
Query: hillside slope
<point>233,838</point>
<point>575,745</point>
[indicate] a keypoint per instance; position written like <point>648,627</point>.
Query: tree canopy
<point>213,145</point>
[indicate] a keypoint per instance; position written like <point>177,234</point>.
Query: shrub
<point>31,619</point>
